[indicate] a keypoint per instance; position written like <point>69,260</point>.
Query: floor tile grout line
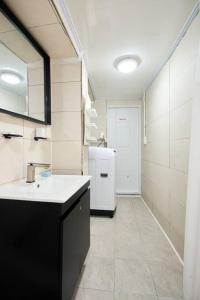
<point>154,283</point>
<point>100,290</point>
<point>93,289</point>
<point>147,262</point>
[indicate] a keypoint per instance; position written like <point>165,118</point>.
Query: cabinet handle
<point>80,207</point>
<point>104,175</point>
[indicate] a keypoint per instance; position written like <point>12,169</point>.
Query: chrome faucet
<point>31,170</point>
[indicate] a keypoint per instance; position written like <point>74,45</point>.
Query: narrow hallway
<point>99,149</point>
<point>129,258</point>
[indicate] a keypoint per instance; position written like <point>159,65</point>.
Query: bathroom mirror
<point>24,71</point>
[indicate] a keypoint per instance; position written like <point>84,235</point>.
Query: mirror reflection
<point>21,73</point>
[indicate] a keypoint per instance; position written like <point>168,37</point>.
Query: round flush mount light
<point>127,63</point>
<point>10,77</point>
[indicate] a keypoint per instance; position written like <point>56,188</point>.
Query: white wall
<point>165,157</point>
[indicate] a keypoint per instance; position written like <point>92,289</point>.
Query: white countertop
<point>56,188</point>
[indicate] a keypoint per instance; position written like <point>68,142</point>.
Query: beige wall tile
<point>162,220</point>
<point>145,168</point>
<point>164,181</point>
<point>11,159</point>
<point>66,126</point>
<point>17,152</point>
<point>158,130</point>
<point>66,72</point>
<point>157,96</point>
<point>66,96</point>
<point>30,127</point>
<point>181,122</point>
<point>147,191</point>
<point>177,217</point>
<point>37,151</point>
<point>178,94</point>
<point>53,34</point>
<point>179,155</point>
<point>158,174</point>
<point>66,116</point>
<point>157,152</point>
<point>33,13</point>
<point>10,124</point>
<point>177,226</point>
<point>67,155</point>
<point>178,186</point>
<point>160,199</point>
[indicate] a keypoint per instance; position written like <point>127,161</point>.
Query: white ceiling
<point>110,28</point>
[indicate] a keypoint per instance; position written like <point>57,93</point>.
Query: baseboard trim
<point>163,231</point>
<point>128,195</point>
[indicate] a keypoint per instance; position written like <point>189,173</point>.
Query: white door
<point>123,135</point>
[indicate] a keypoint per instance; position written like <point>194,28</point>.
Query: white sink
<point>56,188</point>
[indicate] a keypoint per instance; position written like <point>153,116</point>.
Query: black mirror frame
<point>4,9</point>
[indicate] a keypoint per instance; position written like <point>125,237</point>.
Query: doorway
<point>123,133</point>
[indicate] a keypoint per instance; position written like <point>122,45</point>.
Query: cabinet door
<point>76,242</point>
<point>84,226</point>
<point>71,256</point>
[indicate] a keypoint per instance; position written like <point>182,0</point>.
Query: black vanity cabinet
<point>43,247</point>
<point>76,232</point>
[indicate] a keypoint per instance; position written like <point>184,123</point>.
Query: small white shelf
<point>91,112</point>
<point>91,125</point>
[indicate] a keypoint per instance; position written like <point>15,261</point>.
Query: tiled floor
<point>129,258</point>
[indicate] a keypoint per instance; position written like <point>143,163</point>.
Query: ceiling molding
<point>179,38</point>
<point>74,36</point>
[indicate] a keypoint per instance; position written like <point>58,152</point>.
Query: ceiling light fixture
<point>127,63</point>
<point>10,77</point>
